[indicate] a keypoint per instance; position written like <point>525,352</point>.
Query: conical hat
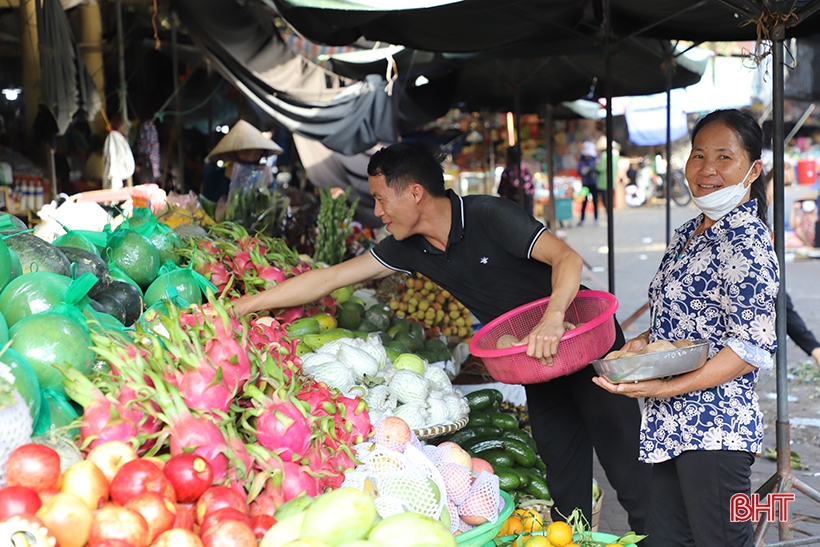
<point>243,136</point>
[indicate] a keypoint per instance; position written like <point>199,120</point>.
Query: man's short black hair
<point>402,164</point>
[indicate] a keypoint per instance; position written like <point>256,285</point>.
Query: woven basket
<point>425,433</point>
<point>577,349</point>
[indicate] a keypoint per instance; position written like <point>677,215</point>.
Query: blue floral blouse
<point>721,288</point>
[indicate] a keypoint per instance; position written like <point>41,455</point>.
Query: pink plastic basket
<point>578,347</point>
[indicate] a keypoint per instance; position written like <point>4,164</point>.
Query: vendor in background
<point>718,281</point>
<point>493,256</point>
<point>600,167</point>
<point>589,179</point>
<point>244,144</point>
<point>516,181</point>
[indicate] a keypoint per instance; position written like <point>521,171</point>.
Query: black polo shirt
<point>487,264</point>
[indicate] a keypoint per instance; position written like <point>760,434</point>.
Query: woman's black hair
<point>751,135</point>
<point>402,164</point>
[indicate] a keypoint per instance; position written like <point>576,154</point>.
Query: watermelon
<point>84,261</point>
<point>32,293</point>
<point>53,337</point>
<point>77,241</point>
<point>56,412</point>
<point>134,255</point>
<point>37,255</point>
<point>130,296</point>
<point>178,282</point>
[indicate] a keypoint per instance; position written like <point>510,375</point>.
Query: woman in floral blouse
<point>717,281</point>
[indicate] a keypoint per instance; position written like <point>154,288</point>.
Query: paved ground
<point>639,242</point>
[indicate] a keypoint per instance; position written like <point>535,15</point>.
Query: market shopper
<point>718,281</point>
<point>494,257</point>
<point>600,168</point>
<point>516,181</point>
<point>587,164</point>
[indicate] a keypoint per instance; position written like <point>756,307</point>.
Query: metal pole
<point>668,189</point>
<point>180,180</point>
<point>549,131</point>
<point>610,220</point>
<point>126,126</point>
<point>781,363</point>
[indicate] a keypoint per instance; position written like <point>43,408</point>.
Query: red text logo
<point>772,506</point>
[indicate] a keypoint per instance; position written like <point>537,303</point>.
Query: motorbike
<point>650,187</point>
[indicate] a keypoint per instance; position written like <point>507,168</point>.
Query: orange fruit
<point>537,541</point>
<point>520,512</point>
<point>515,525</point>
<point>504,529</point>
<point>533,522</point>
<point>559,534</point>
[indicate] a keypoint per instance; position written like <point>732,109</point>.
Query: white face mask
<point>718,204</point>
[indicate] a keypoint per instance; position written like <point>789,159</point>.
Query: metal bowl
<point>649,366</point>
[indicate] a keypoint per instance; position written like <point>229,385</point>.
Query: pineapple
<point>15,424</point>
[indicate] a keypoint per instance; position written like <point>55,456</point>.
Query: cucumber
<point>541,466</point>
<point>508,479</point>
<point>479,418</point>
<point>523,477</point>
<point>498,458</point>
<point>531,472</point>
<point>506,421</point>
<point>476,446</point>
<point>474,432</point>
<point>522,453</point>
<point>481,399</point>
<point>520,435</point>
<point>538,488</point>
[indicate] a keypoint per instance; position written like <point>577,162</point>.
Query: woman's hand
<point>638,343</point>
<point>646,388</point>
<point>542,341</point>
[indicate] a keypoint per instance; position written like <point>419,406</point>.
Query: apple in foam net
<point>110,456</point>
<point>115,522</point>
<point>68,519</point>
<point>34,466</point>
<point>87,482</point>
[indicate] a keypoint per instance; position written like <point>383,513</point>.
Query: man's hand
<point>815,354</point>
<point>542,341</point>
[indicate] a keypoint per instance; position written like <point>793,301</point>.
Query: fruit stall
<point>140,411</point>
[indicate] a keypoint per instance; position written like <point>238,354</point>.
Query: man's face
<point>396,210</point>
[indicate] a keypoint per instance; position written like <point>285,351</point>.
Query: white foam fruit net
<point>404,482</point>
<point>484,499</point>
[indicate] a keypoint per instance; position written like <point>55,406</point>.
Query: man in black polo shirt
<point>494,257</point>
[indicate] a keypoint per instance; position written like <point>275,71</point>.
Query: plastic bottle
<point>28,195</point>
<point>38,196</point>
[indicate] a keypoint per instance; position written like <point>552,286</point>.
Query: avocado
<point>348,317</point>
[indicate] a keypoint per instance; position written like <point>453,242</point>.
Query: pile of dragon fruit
<point>227,389</point>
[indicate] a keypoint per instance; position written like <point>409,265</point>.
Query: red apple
<point>110,456</point>
<point>226,513</point>
<point>177,537</point>
<point>137,477</point>
<point>16,500</point>
<point>260,524</point>
<point>115,522</point>
<point>85,480</point>
<point>217,497</point>
<point>156,461</point>
<point>46,495</point>
<point>229,533</point>
<point>34,466</point>
<point>114,543</point>
<point>157,511</point>
<point>68,519</point>
<point>185,516</point>
<point>190,475</point>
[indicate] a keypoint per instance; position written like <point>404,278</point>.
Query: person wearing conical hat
<point>244,144</point>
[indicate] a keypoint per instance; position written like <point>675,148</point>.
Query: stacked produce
<point>432,306</point>
<point>228,390</point>
<point>496,437</point>
<point>422,395</point>
<point>575,532</point>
